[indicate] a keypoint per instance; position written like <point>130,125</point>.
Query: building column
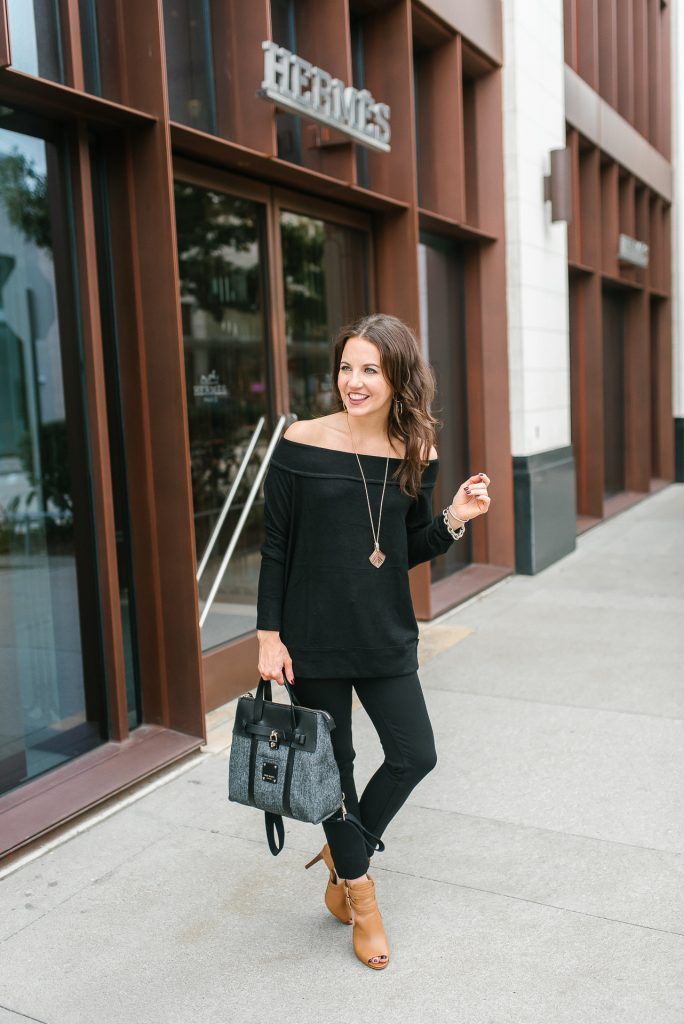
<point>537,287</point>
<point>678,239</point>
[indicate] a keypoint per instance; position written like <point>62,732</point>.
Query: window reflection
<point>325,284</point>
<point>220,255</point>
<point>48,600</point>
<point>189,64</point>
<point>35,38</point>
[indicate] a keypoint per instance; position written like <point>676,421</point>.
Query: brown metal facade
<point>112,108</point>
<point>620,314</point>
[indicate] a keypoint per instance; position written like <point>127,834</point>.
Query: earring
<point>400,410</point>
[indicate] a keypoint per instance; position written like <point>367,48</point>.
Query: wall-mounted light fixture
<point>557,185</point>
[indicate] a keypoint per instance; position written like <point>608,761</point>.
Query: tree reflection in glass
<point>221,270</point>
<point>325,286</point>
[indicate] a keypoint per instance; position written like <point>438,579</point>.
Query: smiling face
<point>361,382</point>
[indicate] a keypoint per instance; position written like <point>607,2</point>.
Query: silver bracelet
<point>456,534</point>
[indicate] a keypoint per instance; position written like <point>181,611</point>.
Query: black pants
<point>396,707</point>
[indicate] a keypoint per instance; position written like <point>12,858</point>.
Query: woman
<point>347,514</point>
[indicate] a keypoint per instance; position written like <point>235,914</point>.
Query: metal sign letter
<point>295,84</point>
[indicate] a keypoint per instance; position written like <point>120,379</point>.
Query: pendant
<point>377,557</point>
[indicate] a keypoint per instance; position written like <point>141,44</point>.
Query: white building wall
<point>678,210</point>
<point>537,272</point>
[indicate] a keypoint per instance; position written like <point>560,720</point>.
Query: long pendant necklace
<point>376,557</point>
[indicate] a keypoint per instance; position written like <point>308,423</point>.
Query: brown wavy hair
<point>413,383</point>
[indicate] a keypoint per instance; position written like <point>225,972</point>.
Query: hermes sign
<point>210,388</point>
<point>297,85</point>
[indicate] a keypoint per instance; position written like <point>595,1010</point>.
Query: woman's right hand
<point>274,657</point>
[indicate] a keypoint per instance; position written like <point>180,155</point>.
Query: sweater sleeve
<point>427,536</point>
<point>277,510</point>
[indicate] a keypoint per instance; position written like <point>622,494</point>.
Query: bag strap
<point>374,844</point>
<point>274,826</point>
<point>257,729</point>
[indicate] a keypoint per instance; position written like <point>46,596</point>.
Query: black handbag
<point>282,762</point>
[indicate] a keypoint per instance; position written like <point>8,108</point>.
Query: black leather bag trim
<point>287,807</point>
<point>252,770</point>
<point>274,824</point>
<point>297,739</point>
<point>278,717</point>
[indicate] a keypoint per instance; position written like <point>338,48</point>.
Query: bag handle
<point>264,692</point>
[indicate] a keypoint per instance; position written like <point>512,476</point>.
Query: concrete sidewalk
<point>536,875</point>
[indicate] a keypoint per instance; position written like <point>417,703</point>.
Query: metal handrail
<point>282,422</point>
<point>229,500</point>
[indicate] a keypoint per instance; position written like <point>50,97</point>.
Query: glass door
<point>221,258</point>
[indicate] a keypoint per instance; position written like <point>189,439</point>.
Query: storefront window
<point>189,64</point>
<point>221,259</point>
<point>442,328</point>
<point>52,692</point>
<point>326,286</point>
<point>35,38</point>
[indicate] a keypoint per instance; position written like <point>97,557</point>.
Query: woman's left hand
<point>471,499</point>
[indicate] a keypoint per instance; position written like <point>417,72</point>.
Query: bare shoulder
<point>432,454</point>
<point>300,430</point>
<point>316,431</point>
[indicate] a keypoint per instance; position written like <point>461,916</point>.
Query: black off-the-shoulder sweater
<point>338,615</point>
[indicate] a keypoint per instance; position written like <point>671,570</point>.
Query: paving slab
<point>192,943</point>
<point>8,1016</point>
<point>576,654</point>
<point>587,876</point>
<point>36,890</point>
<point>595,773</point>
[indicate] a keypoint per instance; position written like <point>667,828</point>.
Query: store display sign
<point>297,85</point>
<point>210,388</point>
<point>631,250</point>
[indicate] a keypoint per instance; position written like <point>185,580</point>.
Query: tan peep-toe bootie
<point>370,941</point>
<point>335,895</point>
